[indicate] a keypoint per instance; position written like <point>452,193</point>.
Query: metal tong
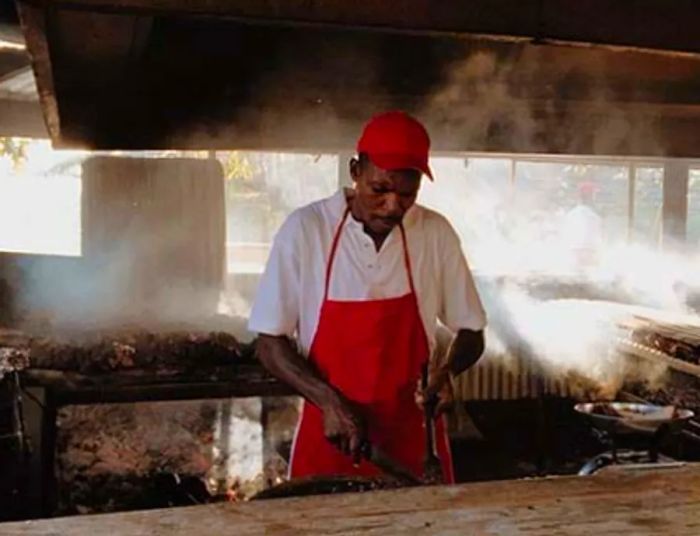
<point>432,468</point>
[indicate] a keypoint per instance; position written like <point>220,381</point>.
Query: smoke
<point>543,99</point>
<point>489,99</point>
<point>553,299</point>
<point>151,271</point>
<point>565,338</point>
<point>108,292</point>
<point>477,100</point>
<point>152,251</point>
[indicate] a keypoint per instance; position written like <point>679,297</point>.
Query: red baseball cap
<point>395,140</point>
<point>588,188</point>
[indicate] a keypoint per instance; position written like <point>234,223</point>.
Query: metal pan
<point>629,417</point>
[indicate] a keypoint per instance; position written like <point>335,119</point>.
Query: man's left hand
<point>439,385</point>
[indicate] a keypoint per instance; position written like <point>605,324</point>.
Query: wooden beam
<point>34,26</point>
<point>132,202</point>
<point>239,380</point>
<point>644,131</point>
<point>650,500</point>
<point>623,23</point>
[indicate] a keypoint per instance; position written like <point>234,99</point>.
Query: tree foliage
<point>238,166</point>
<point>15,149</point>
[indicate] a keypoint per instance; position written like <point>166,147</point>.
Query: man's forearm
<point>279,356</point>
<point>465,351</point>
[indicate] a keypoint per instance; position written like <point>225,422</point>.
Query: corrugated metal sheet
<point>509,378</point>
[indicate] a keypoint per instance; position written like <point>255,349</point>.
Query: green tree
<point>15,149</point>
<point>238,165</point>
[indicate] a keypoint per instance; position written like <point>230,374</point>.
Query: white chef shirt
<point>290,294</point>
<point>583,228</point>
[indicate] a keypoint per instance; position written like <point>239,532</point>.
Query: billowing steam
<point>551,298</point>
<point>516,225</point>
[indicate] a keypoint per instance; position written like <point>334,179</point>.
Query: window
<point>515,215</point>
<point>39,199</point>
<point>262,189</point>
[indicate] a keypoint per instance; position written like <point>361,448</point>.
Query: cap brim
<point>394,162</point>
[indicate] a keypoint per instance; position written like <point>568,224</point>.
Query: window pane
<point>40,200</point>
<point>531,216</point>
<point>554,189</point>
<point>262,189</point>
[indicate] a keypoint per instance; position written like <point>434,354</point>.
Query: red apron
<point>372,351</point>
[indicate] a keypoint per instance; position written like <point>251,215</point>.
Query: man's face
<point>382,197</point>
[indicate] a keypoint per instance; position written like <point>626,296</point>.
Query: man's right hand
<point>343,423</point>
<point>345,427</point>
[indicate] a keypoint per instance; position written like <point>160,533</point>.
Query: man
<point>582,228</point>
<point>361,279</point>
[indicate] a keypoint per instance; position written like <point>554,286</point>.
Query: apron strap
<point>407,259</point>
<point>334,248</point>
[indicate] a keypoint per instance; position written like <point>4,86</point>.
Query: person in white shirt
<point>348,306</point>
<point>582,228</point>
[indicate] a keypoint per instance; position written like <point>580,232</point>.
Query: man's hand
<point>465,350</point>
<point>343,423</point>
<point>344,426</point>
<point>439,385</point>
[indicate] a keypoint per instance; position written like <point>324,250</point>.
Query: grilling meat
<point>680,349</point>
<point>179,351</point>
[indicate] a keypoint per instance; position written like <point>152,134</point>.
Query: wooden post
<point>6,292</point>
<point>631,189</point>
<point>675,204</point>
<point>40,420</point>
<point>344,180</point>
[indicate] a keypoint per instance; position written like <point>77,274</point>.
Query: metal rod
<point>431,465</point>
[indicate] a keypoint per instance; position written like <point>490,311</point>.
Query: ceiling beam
<point>643,24</point>
<point>34,26</point>
<point>113,75</point>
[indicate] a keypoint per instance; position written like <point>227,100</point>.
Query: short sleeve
<point>276,307</point>
<point>460,305</point>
